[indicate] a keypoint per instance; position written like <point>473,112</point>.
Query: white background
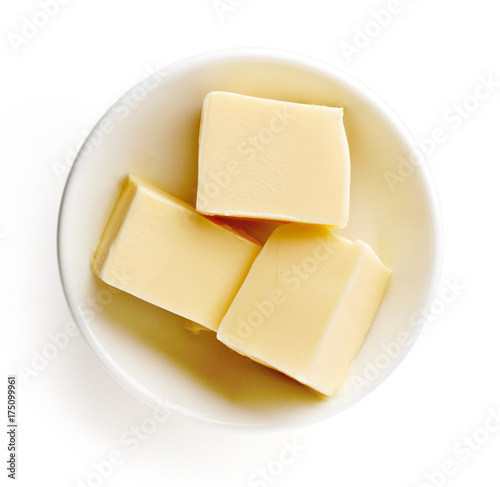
<point>429,417</point>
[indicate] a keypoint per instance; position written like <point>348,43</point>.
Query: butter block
<point>158,248</point>
<point>273,160</point>
<point>307,305</point>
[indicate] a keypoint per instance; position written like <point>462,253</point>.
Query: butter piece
<point>273,160</point>
<point>307,305</point>
<point>159,249</point>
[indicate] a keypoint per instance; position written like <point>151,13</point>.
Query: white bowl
<point>153,132</point>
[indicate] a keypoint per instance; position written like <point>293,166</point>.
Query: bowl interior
<point>153,132</point>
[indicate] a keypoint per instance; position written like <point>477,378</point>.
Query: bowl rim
<point>336,74</point>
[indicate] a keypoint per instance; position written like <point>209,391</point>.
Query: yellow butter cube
<point>273,160</point>
<point>161,250</point>
<point>307,305</point>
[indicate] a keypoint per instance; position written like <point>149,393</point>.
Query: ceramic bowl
<point>152,131</point>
